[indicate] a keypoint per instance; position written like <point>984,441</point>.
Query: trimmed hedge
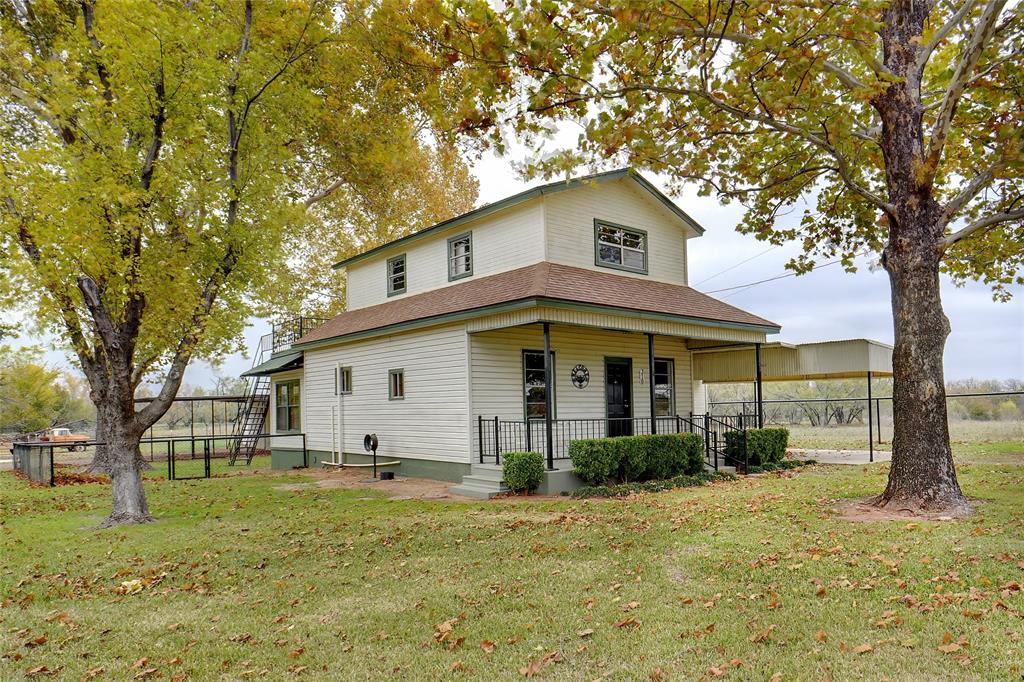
<point>523,471</point>
<point>637,458</point>
<point>763,446</point>
<point>624,489</point>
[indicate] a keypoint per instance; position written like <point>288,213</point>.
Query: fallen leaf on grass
<point>532,668</point>
<point>628,623</point>
<point>457,665</point>
<point>141,662</point>
<point>487,645</point>
<point>143,674</point>
<point>763,635</point>
<point>38,671</point>
<point>950,648</point>
<point>585,633</point>
<point>821,636</point>
<point>295,653</point>
<point>863,648</point>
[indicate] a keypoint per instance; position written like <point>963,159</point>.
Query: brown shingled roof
<point>547,281</point>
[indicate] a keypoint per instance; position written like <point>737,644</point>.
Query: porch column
<point>759,387</point>
<point>650,381</point>
<point>548,394</point>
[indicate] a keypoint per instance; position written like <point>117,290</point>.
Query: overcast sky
<point>987,341</point>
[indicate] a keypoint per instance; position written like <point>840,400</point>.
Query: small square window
<point>342,380</point>
<point>460,256</point>
<point>396,384</point>
<point>396,275</point>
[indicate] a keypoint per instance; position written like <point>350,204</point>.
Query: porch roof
<point>279,362</point>
<point>533,285</point>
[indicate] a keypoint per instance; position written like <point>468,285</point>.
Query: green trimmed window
<point>664,388</point>
<point>534,386</point>
<point>342,380</point>
<point>396,275</point>
<point>460,256</point>
<point>620,247</point>
<point>286,402</point>
<point>396,384</point>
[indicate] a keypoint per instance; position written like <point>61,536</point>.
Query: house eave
<point>526,303</point>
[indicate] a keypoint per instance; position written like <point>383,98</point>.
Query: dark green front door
<point>618,373</point>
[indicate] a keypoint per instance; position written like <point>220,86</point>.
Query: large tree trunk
<point>120,458</point>
<point>922,476</point>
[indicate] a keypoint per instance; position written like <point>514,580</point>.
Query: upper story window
<point>617,246</point>
<point>396,384</point>
<point>396,275</point>
<point>460,256</point>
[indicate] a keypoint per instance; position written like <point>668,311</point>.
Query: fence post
<point>51,468</point>
<point>480,435</point>
<point>170,474</point>
<point>497,440</point>
<point>529,440</point>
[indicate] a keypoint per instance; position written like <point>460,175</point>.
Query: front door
<point>618,374</point>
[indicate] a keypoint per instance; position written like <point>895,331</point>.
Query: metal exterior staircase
<point>252,413</point>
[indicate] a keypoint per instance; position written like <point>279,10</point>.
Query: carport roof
<point>839,359</point>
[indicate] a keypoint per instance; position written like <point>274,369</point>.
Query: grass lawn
<point>244,576</point>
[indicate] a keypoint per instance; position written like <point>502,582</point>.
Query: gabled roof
<point>533,193</point>
<point>540,284</point>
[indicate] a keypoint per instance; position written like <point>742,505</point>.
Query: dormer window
<point>460,256</point>
<point>620,247</point>
<point>396,275</point>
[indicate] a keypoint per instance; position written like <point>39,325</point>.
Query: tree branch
<point>980,225</point>
<point>968,62</point>
<point>942,34</point>
<point>88,18</point>
<point>976,185</point>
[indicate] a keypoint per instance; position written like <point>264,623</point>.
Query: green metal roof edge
<point>281,362</point>
<point>532,193</point>
<point>532,302</point>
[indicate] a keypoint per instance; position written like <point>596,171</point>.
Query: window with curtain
<point>460,256</point>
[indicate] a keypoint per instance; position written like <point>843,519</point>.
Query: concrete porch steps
<point>483,482</point>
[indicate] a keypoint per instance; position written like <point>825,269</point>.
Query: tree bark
<point>119,456</point>
<point>922,476</point>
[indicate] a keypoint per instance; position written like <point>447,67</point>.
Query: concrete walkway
<point>840,456</point>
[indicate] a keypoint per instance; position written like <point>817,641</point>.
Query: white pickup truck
<point>65,437</point>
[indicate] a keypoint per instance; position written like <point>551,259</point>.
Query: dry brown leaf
<point>487,645</point>
<point>532,668</point>
<point>863,648</point>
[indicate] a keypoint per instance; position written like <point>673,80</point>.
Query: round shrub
<point>594,460</point>
<point>523,471</point>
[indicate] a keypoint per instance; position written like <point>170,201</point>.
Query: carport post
<point>759,387</point>
<point>871,425</point>
<point>548,402</point>
<point>650,381</point>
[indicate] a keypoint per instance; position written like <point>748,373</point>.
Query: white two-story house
<point>441,351</point>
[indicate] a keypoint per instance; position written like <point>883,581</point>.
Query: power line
<point>733,267</point>
<point>778,277</point>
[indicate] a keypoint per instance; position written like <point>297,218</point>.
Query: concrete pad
<point>840,456</point>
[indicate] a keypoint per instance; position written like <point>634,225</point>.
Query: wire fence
<point>846,422</point>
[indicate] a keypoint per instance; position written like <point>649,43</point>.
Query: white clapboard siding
<point>569,217</point>
<point>497,370</point>
<point>431,422</point>
<point>506,240</point>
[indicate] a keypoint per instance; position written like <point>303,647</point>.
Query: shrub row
<point>779,466</point>
<point>523,471</point>
<point>637,458</point>
<point>762,446</point>
<point>624,489</point>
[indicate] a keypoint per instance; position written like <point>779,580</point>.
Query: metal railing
<point>496,436</point>
<point>35,459</point>
<point>288,332</point>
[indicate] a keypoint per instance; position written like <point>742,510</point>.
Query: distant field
<point>855,437</point>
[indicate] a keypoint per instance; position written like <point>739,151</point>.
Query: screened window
<point>620,247</point>
<point>460,256</point>
<point>534,388</point>
<point>286,400</point>
<point>342,380</point>
<point>664,387</point>
<point>396,384</point>
<point>396,275</point>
